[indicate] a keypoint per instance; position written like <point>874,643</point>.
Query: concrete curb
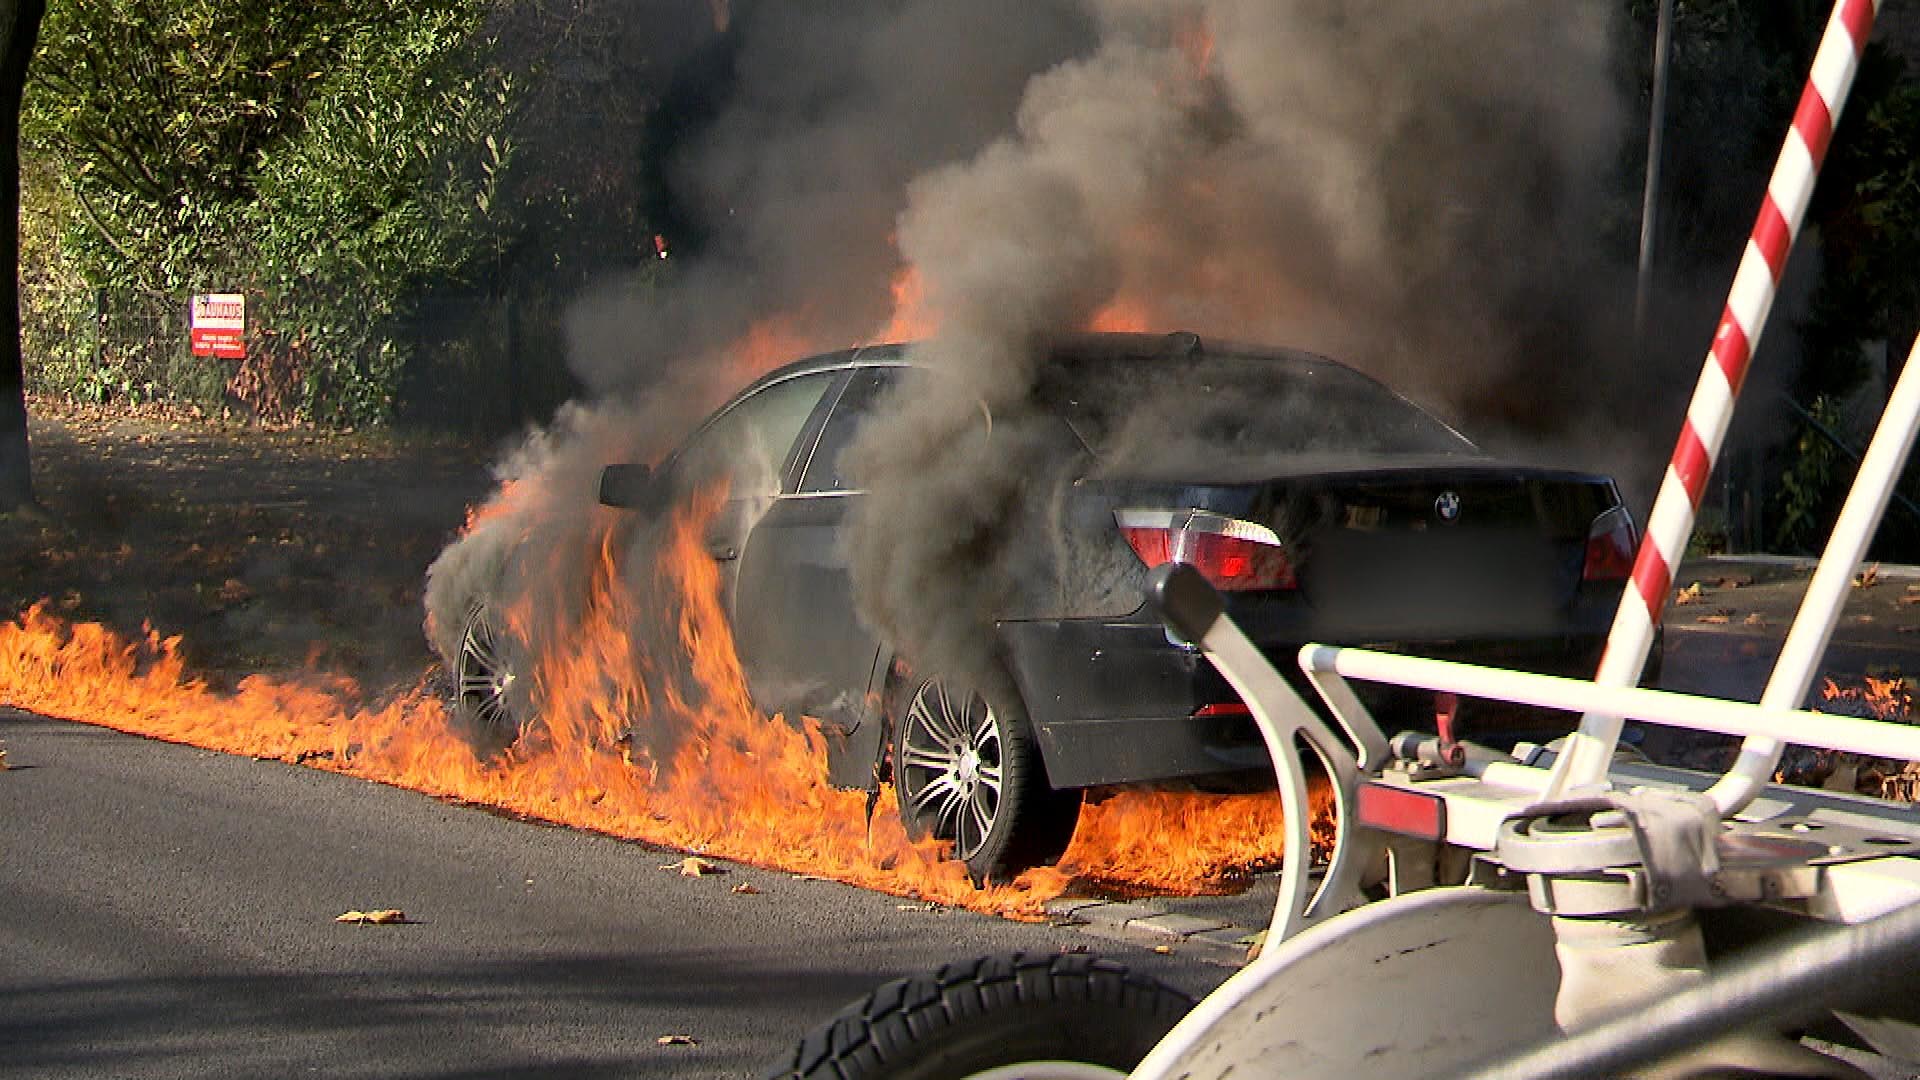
<point>1891,571</point>
<point>1148,924</point>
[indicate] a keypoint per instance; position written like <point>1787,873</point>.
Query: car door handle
<point>723,552</point>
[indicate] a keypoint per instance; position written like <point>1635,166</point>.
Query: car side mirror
<point>629,487</point>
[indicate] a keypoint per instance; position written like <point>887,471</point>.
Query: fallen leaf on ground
<point>1691,594</point>
<point>677,1040</point>
<point>379,917</point>
<point>1717,618</point>
<point>1755,619</point>
<point>746,889</point>
<point>1868,578</point>
<point>924,905</point>
<point>1163,950</point>
<point>694,866</point>
<point>1911,597</point>
<point>1734,582</point>
<point>233,590</point>
<point>3,761</point>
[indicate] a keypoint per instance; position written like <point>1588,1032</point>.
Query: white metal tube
<point>1665,707</point>
<point>1827,592</point>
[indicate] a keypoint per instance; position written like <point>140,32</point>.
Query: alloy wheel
<point>488,690</point>
<point>953,766</point>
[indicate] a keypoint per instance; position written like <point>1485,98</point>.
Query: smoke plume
<point>789,197</point>
<point>1415,189</point>
<point>1406,186</point>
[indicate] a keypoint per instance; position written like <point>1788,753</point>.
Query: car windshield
<point>1236,406</point>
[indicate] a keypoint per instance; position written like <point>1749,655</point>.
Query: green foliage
<point>335,162</point>
<point>1868,206</point>
<point>1738,70</point>
<point>1808,485</point>
<point>367,210</point>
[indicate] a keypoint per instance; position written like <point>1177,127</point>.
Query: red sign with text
<point>218,325</point>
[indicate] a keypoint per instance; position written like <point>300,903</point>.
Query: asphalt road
<point>167,911</point>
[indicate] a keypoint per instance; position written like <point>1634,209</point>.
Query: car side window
<point>747,446</point>
<point>825,471</point>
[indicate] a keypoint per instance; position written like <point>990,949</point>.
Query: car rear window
<point>1236,405</point>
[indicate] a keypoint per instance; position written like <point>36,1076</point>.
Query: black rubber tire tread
<point>989,1012</point>
<point>1040,819</point>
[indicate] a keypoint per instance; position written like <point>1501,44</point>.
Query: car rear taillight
<point>1610,547</point>
<point>1233,555</point>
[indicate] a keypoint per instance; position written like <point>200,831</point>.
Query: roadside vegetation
<point>354,169</point>
<point>334,162</point>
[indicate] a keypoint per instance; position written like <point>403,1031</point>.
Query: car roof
<point>1086,345</point>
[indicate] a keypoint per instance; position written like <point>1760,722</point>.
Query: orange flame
<point>1879,699</point>
<point>1183,843</point>
<point>766,345</point>
<point>912,318</point>
<point>735,784</point>
<point>1121,315</point>
<point>504,503</point>
<point>1194,38</point>
<point>705,771</point>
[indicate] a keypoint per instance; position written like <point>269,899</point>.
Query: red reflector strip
<point>1224,708</point>
<point>1395,809</point>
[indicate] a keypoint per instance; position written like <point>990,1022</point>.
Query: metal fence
<point>105,345</point>
<point>472,361</point>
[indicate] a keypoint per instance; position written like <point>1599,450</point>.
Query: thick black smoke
<point>1409,186</point>
<point>1415,188</point>
<point>782,208</point>
<point>791,196</point>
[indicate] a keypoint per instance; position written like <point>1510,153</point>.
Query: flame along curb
<point>1147,924</point>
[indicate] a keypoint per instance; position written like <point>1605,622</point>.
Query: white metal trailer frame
<point>1501,931</point>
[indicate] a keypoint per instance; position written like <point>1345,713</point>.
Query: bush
<point>335,164</point>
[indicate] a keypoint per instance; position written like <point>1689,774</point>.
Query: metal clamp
<point>1643,850</point>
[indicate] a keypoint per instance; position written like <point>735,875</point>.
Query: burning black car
<point>1322,505</point>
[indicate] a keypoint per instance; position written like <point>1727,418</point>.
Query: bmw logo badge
<point>1447,506</point>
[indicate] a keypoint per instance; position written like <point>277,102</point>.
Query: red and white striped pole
<point>1751,297</point>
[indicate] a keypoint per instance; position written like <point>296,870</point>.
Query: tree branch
<point>99,226</point>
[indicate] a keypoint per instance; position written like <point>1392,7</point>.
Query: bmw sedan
<point>1323,506</point>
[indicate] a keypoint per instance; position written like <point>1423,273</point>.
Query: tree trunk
<point>19,30</point>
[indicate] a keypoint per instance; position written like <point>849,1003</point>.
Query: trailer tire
<point>1036,1015</point>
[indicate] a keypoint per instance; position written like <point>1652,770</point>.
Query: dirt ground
<point>264,550</point>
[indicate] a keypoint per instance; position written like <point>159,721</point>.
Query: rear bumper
<point>1113,701</point>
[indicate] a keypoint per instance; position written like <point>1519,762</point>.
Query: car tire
<point>492,687</point>
<point>1040,1017</point>
<point>966,770</point>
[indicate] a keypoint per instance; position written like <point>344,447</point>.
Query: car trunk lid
<point>1409,549</point>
